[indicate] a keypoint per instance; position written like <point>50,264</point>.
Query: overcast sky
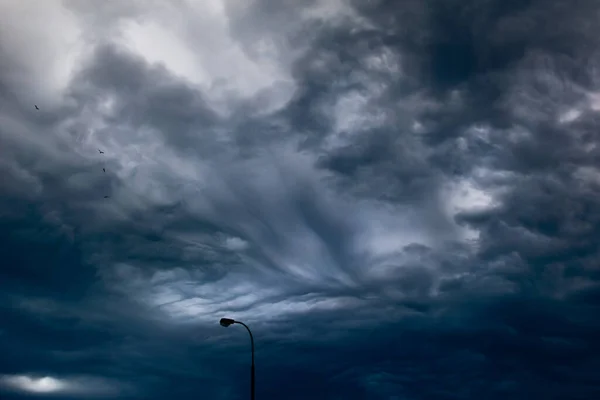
<point>400,198</point>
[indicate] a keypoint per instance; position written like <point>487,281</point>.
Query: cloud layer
<point>399,199</point>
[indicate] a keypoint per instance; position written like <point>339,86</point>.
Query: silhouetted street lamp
<point>226,322</point>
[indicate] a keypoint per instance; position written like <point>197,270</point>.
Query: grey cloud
<point>136,90</point>
<point>418,221</point>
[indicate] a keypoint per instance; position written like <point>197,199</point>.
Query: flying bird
<point>106,197</point>
<point>103,169</point>
<point>36,107</point>
<point>100,151</point>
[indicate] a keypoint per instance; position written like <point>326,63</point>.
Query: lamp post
<point>226,322</point>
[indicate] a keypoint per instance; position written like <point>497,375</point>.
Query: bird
<point>36,107</point>
<point>100,151</point>
<point>106,197</point>
<point>103,169</point>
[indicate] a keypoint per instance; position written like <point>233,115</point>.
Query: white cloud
<point>335,12</point>
<point>353,112</point>
<point>192,39</point>
<point>39,385</point>
<point>236,244</point>
<point>159,44</point>
<point>594,99</point>
<point>80,386</point>
<point>464,195</point>
<point>46,49</point>
<point>570,116</point>
<point>195,42</point>
<point>588,175</point>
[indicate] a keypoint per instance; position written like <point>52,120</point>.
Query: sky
<point>400,198</point>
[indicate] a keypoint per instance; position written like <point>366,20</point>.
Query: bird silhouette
<point>103,169</point>
<point>106,197</point>
<point>100,151</point>
<point>36,107</point>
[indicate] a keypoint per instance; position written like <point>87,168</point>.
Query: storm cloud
<point>401,199</point>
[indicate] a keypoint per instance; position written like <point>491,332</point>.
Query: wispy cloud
<point>413,184</point>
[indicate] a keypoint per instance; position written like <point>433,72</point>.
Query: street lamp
<point>225,322</point>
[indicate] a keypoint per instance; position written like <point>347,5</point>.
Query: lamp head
<point>226,322</point>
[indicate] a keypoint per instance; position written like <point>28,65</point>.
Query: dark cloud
<point>400,199</point>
